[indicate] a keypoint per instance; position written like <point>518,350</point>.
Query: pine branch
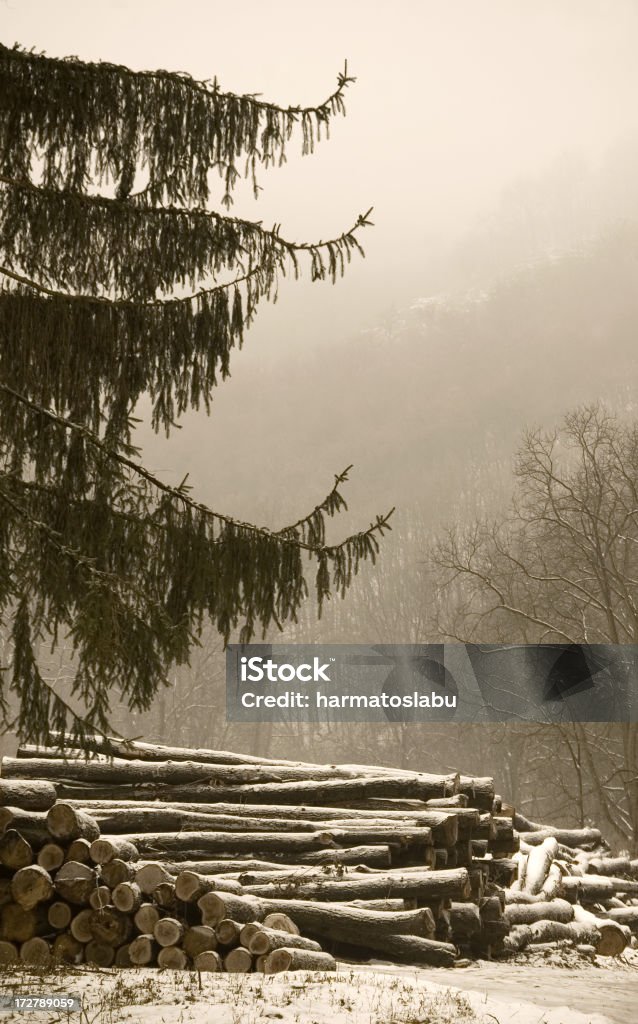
<point>99,120</point>
<point>165,246</point>
<point>179,494</point>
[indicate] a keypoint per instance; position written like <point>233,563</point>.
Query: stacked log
<point>380,841</point>
<point>191,858</point>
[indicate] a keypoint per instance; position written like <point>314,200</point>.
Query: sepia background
<point>497,141</point>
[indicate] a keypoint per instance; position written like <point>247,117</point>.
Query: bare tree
<point>562,566</point>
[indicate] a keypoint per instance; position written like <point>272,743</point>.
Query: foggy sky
<point>483,132</point>
<point>455,101</point>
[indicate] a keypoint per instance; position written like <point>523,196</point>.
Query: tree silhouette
<point>118,281</point>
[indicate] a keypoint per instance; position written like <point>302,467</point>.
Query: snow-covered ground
<point>539,991</point>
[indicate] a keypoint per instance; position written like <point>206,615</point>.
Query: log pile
<point>195,858</point>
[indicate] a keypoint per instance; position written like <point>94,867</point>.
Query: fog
<point>497,141</point>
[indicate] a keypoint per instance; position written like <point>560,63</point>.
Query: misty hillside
<point>436,394</point>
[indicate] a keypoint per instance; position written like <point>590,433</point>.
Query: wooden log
<point>571,838</point>
<point>553,883</point>
<point>248,930</point>
<point>199,939</point>
<point>5,891</point>
<point>122,956</point>
<point>529,913</point>
<point>36,952</point>
<point>391,906</point>
<point>75,882</point>
<point>108,848</point>
<point>408,949</point>
<point>168,931</point>
<point>8,952</point>
<point>612,938</point>
<point>624,915</point>
<point>280,922</point>
<point>163,818</point>
<point>67,949</point>
<point>79,850</point>
<point>31,825</point>
<point>227,932</point>
<point>452,884</point>
<point>502,871</point>
<point>172,957</point>
<point>337,921</point>
<point>66,823</point>
<point>117,871</point>
<point>266,940</point>
<point>609,866</point>
<point>329,792</point>
<point>99,953</point>
<point>465,920</point>
<point>420,816</point>
<point>100,897</point>
<point>298,960</point>
<point>167,818</point>
<point>15,852</point>
<point>30,886</point>
<point>208,961</point>
<point>59,915</point>
<point>544,931</point>
<point>238,961</point>
<point>127,897</point>
<point>51,856</point>
<point>189,885</point>
<point>596,887</point>
<point>164,895</point>
<point>113,747</point>
<point>145,918</point>
<point>201,843</point>
<point>116,770</point>
<point>31,795</point>
<point>479,791</point>
<point>539,862</point>
<point>458,800</point>
<point>370,856</point>
<point>142,950</point>
<point>18,924</point>
<point>149,876</point>
<point>81,926</point>
<point>111,926</point>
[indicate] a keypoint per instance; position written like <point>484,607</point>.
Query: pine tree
<point>118,280</point>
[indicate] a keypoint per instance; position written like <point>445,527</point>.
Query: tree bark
<point>199,939</point>
<point>59,915</point>
<point>127,897</point>
<point>99,953</point>
<point>31,885</point>
<point>75,882</point>
<point>168,931</point>
<point>172,957</point>
<point>30,795</point>
<point>110,926</point>
<point>298,960</point>
<point>108,848</point>
<point>146,918</point>
<point>266,940</point>
<point>66,823</point>
<point>453,884</point>
<point>143,950</point>
<point>208,961</point>
<point>51,856</point>
<point>68,949</point>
